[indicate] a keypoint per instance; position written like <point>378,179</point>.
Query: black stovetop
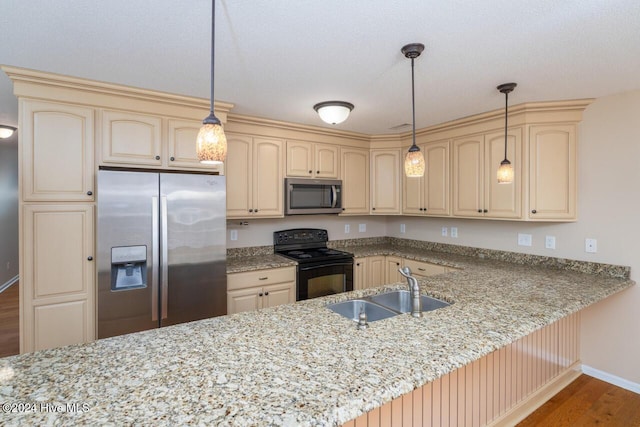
<point>306,245</point>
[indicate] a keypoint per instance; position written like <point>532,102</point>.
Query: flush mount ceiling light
<point>211,144</point>
<point>414,165</point>
<point>505,171</point>
<point>6,131</point>
<point>333,112</point>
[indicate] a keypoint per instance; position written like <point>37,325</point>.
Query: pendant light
<point>211,143</point>
<point>414,165</point>
<point>505,171</point>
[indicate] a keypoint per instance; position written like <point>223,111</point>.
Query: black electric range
<point>321,270</point>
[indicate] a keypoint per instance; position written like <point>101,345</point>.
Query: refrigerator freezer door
<point>127,258</point>
<point>193,247</point>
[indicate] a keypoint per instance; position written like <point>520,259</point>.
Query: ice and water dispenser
<point>128,267</point>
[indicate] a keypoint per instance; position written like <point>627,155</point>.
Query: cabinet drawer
<point>260,278</point>
<point>419,268</point>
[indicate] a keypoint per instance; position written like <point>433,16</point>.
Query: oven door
<point>328,278</point>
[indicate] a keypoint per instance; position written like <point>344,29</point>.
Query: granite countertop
<point>296,364</point>
<point>240,264</point>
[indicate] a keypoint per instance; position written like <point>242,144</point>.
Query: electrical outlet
<point>591,245</point>
<point>234,234</point>
<point>347,229</point>
<point>524,239</point>
<point>444,232</point>
<point>362,228</point>
<point>403,228</point>
<point>550,242</point>
<point>454,232</point>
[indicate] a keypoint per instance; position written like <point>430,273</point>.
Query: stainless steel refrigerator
<point>161,249</point>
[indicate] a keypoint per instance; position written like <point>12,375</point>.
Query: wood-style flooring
<point>9,321</point>
<point>588,402</point>
<point>585,402</point>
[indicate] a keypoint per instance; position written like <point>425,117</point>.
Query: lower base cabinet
<point>378,270</point>
<point>254,290</point>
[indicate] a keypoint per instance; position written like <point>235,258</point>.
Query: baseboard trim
<point>538,398</point>
<point>611,379</point>
<point>6,285</point>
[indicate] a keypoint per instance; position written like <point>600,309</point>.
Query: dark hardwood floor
<point>588,402</point>
<point>9,321</point>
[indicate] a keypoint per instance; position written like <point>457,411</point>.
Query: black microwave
<point>305,196</point>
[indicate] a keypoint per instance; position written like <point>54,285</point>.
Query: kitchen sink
<point>401,301</point>
<point>351,309</point>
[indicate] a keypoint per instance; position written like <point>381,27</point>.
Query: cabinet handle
<point>534,211</point>
<point>172,158</point>
<point>263,278</point>
<point>266,294</point>
<point>421,269</point>
<point>89,258</point>
<point>260,294</point>
<point>157,157</point>
<point>89,193</point>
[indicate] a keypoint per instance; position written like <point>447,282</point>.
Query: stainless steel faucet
<point>414,289</point>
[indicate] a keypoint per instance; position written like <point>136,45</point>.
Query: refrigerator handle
<point>155,261</point>
<point>164,248</point>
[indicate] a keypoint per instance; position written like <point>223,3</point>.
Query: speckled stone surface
<point>298,364</point>
<point>240,264</point>
<point>249,251</point>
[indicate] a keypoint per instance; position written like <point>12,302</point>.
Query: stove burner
<point>295,253</point>
<point>332,252</point>
<point>324,250</point>
<point>304,255</point>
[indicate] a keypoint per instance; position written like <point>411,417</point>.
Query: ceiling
<point>277,58</point>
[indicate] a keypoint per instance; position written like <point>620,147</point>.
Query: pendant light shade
<point>6,131</point>
<point>211,144</point>
<point>505,171</point>
<point>414,164</point>
<point>333,112</point>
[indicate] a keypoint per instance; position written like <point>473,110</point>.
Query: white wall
<point>8,209</point>
<point>609,208</point>
<point>259,232</point>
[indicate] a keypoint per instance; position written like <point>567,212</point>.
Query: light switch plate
<point>444,231</point>
<point>524,239</point>
<point>591,245</point>
<point>347,229</point>
<point>454,232</point>
<point>403,228</point>
<point>362,228</point>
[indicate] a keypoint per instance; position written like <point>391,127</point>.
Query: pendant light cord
<point>213,40</point>
<point>413,105</point>
<point>506,115</point>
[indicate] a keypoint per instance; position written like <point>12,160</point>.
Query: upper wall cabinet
<point>429,194</point>
<point>355,180</point>
<point>476,192</point>
<point>552,181</point>
<point>57,151</point>
<point>139,140</point>
<point>312,160</point>
<point>385,182</point>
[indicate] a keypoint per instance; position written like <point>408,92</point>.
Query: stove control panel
<point>300,236</point>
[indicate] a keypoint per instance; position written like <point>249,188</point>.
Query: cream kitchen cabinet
<point>476,192</point>
<point>57,143</point>
<point>552,166</point>
<point>393,264</point>
<point>424,269</point>
<point>140,140</point>
<point>355,181</point>
<point>376,271</point>
<point>360,267</point>
<point>260,289</point>
<point>385,182</point>
<point>255,182</point>
<point>58,276</point>
<point>312,160</point>
<point>429,194</point>
<point>373,271</point>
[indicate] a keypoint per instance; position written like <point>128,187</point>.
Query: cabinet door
<point>244,300</point>
<point>268,182</point>
<point>326,161</point>
<point>355,180</point>
<point>58,275</point>
<point>239,173</point>
<point>281,293</point>
<point>468,173</point>
<point>436,179</point>
<point>392,274</point>
<point>129,138</point>
<point>300,159</point>
<point>376,271</point>
<point>413,191</point>
<point>182,151</point>
<point>57,152</point>
<point>385,182</point>
<point>552,179</point>
<point>360,267</point>
<point>424,269</point>
<point>503,200</point>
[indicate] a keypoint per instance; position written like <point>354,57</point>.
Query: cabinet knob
<point>373,209</point>
<point>397,263</point>
<point>534,211</point>
<point>250,210</point>
<point>260,294</point>
<point>317,171</point>
<point>342,208</point>
<point>157,157</point>
<point>89,258</point>
<point>357,264</point>
<point>266,294</point>
<point>310,171</point>
<point>255,210</point>
<point>479,210</point>
<point>89,193</point>
<point>485,211</point>
<point>172,158</point>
